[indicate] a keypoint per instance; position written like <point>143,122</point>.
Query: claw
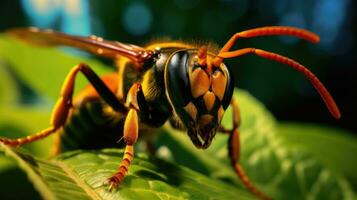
<point>112,183</point>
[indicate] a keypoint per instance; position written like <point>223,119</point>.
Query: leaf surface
<point>81,174</point>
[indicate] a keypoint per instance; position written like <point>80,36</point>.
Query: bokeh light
<point>137,18</point>
<point>71,15</point>
<point>42,13</point>
<point>328,18</point>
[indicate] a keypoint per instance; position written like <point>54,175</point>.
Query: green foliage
<point>335,148</point>
<point>288,161</point>
<point>8,90</point>
<point>81,174</point>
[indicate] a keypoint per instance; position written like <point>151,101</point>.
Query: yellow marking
<point>171,44</point>
<point>219,82</point>
<point>148,86</point>
<point>114,116</point>
<point>191,110</point>
<point>129,152</point>
<point>220,114</point>
<point>167,43</point>
<point>205,119</point>
<point>209,99</point>
<point>121,63</point>
<point>199,82</point>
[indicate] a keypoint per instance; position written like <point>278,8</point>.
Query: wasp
<point>186,84</point>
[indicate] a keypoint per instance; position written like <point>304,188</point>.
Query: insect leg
<point>234,153</point>
<point>131,131</point>
<point>64,104</point>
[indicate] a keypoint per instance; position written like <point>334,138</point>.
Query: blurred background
<point>286,93</point>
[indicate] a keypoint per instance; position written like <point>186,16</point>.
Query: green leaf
<point>17,122</point>
<point>81,174</point>
<point>333,147</point>
<point>8,90</point>
<point>20,121</point>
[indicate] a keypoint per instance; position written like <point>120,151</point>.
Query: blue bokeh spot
<point>137,19</point>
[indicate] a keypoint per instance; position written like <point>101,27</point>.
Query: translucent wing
<point>92,44</point>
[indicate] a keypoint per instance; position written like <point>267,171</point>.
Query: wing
<point>93,44</point>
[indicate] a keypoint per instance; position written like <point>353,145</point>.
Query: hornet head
<point>199,90</point>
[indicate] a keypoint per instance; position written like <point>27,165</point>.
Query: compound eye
<point>178,85</point>
<point>228,91</point>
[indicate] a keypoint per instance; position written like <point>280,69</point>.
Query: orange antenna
<point>272,30</point>
<point>202,55</point>
<point>269,31</point>
<point>326,96</point>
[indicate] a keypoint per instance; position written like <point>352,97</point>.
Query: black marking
<point>100,130</point>
<point>199,102</point>
<point>95,112</point>
<point>228,92</point>
<point>85,119</point>
<point>74,130</point>
<point>67,141</point>
<point>218,69</point>
<point>143,106</point>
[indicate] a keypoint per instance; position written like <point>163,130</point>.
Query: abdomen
<point>90,127</point>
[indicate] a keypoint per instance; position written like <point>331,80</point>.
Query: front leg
<point>131,131</point>
<point>234,153</point>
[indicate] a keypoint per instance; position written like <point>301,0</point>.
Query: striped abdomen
<point>90,127</point>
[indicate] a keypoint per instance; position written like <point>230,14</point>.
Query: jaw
<point>201,138</point>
